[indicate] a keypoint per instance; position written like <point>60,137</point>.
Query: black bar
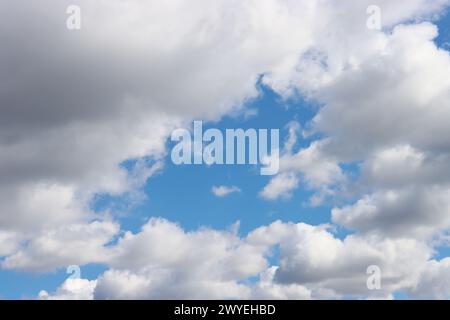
<point>223,309</point>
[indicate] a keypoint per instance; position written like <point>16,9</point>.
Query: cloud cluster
<point>164,261</point>
<point>76,105</point>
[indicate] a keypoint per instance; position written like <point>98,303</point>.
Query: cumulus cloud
<point>164,261</point>
<point>71,289</point>
<point>113,92</point>
<point>312,256</point>
<point>280,186</point>
<point>318,170</point>
<point>434,281</point>
<point>382,107</point>
<point>403,146</point>
<point>414,211</point>
<point>9,242</point>
<point>75,244</point>
<point>76,105</point>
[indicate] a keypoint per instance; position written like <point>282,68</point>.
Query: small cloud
<point>280,187</point>
<point>234,228</point>
<point>223,191</point>
<point>291,139</point>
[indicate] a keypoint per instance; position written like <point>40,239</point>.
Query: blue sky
<point>183,194</point>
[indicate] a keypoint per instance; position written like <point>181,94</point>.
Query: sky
<point>88,182</point>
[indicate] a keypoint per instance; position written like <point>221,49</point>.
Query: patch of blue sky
<point>443,39</point>
<point>182,193</point>
<point>442,252</point>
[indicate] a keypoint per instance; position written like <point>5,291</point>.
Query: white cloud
<point>414,211</point>
<point>318,170</point>
<point>267,288</point>
<point>9,242</point>
<point>434,281</point>
<point>71,289</point>
<point>223,191</point>
<point>291,139</point>
<point>74,244</point>
<point>280,186</point>
<point>383,100</point>
<point>164,261</point>
<point>71,131</point>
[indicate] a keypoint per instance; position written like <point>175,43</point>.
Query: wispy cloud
<point>223,191</point>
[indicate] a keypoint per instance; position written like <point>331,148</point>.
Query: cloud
<point>71,289</point>
<point>164,261</point>
<point>417,92</point>
<point>76,105</point>
<point>280,186</point>
<point>74,244</point>
<point>113,92</point>
<point>383,108</point>
<point>434,281</point>
<point>223,191</point>
<point>405,191</point>
<point>9,242</point>
<point>115,284</point>
<point>222,251</point>
<point>413,211</point>
<point>268,288</point>
<point>319,171</point>
<point>291,139</point>
<point>314,257</point>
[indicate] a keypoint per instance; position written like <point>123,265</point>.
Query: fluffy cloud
<point>164,261</point>
<point>315,258</point>
<point>9,242</point>
<point>72,289</point>
<point>434,282</point>
<point>268,288</point>
<point>413,211</point>
<point>221,252</point>
<point>75,244</point>
<point>415,88</point>
<point>383,100</point>
<point>112,92</point>
<point>280,186</point>
<point>318,170</point>
<point>404,146</point>
<point>76,105</point>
